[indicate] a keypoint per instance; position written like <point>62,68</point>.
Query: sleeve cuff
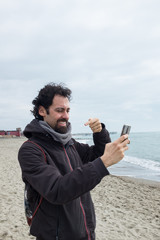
<point>100,168</point>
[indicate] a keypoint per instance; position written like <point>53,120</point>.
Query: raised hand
<point>114,151</point>
<point>94,124</point>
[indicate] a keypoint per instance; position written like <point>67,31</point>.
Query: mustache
<point>63,120</point>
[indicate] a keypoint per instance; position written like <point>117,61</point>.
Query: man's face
<point>58,114</point>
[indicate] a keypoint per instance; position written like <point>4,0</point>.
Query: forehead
<point>60,101</point>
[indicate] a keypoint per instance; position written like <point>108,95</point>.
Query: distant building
<point>14,133</point>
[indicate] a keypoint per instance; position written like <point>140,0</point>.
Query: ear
<point>42,111</point>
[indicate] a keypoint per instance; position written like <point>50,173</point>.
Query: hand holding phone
<point>125,130</point>
<point>112,154</point>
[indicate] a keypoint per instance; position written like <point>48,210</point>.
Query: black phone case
<point>125,130</point>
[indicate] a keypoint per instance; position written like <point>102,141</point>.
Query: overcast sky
<point>106,51</point>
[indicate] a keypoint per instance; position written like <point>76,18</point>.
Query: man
<point>71,169</point>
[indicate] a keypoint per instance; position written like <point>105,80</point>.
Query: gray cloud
<point>107,52</point>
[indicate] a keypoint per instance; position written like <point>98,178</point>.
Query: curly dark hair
<point>46,95</point>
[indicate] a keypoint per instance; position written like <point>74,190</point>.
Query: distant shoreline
<point>88,134</point>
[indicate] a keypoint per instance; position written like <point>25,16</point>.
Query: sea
<point>142,160</point>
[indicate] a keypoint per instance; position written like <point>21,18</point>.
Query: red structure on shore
<point>15,133</point>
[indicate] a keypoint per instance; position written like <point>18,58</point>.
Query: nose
<point>66,115</point>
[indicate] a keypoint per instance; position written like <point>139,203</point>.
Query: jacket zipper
<point>84,215</point>
<point>57,230</point>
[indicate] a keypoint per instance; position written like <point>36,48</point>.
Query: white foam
<point>146,163</point>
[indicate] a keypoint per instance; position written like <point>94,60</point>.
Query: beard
<point>61,129</point>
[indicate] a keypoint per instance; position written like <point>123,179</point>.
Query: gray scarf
<point>59,137</point>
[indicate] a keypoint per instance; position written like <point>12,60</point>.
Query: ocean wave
<point>145,163</point>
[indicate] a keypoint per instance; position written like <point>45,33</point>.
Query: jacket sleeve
<point>48,181</point>
<point>89,153</point>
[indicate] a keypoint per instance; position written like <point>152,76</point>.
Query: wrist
<point>105,162</point>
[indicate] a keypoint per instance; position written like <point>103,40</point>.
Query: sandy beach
<point>126,208</point>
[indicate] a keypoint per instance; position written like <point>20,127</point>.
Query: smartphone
<point>125,130</point>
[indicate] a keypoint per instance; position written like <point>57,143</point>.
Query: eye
<point>59,110</point>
